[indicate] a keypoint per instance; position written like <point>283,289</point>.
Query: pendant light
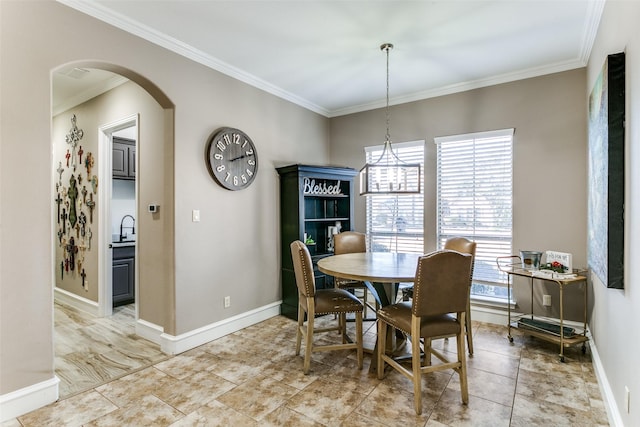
<point>389,174</point>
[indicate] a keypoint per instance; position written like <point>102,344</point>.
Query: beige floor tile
<point>148,411</point>
<point>215,414</point>
<point>258,397</point>
<point>74,411</point>
<point>478,413</point>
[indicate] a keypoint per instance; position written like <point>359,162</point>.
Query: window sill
<point>490,302</point>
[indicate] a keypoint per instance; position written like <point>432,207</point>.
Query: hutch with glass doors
<point>316,202</point>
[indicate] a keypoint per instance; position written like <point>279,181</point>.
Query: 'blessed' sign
<point>323,188</point>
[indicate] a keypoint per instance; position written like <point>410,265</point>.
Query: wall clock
<point>232,158</point>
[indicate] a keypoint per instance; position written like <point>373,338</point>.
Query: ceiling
<point>325,55</point>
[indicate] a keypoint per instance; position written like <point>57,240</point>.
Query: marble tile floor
<point>90,351</point>
<point>253,378</point>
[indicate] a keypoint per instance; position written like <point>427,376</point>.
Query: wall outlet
<point>86,286</point>
<point>195,215</point>
<point>626,398</point>
<point>546,300</point>
<point>227,302</point>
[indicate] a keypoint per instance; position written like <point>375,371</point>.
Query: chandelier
<point>389,174</point>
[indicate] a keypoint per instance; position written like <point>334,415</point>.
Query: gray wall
<point>549,170</point>
<point>616,313</point>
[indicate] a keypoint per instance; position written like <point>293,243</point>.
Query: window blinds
<point>474,196</point>
<point>395,223</point>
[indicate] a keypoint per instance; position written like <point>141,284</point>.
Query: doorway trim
<point>105,253</point>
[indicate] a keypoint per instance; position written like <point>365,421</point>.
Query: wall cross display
<point>91,204</point>
<point>67,156</point>
<point>80,152</point>
<point>79,180</point>
<point>60,234</point>
<point>73,194</point>
<point>82,220</point>
<point>84,193</point>
<point>83,274</point>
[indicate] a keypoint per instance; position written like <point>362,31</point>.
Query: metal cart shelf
<point>553,331</point>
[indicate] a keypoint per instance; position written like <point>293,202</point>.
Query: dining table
<point>381,272</point>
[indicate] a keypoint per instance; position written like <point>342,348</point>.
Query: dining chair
<point>465,246</point>
<point>437,310</point>
<point>314,302</point>
<point>349,242</point>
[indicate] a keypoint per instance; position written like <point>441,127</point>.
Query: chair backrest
<point>349,242</point>
<point>303,268</point>
<point>442,283</point>
<point>464,246</point>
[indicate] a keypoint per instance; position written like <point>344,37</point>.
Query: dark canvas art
<point>606,173</point>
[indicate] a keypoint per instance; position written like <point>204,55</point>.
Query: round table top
<point>381,267</point>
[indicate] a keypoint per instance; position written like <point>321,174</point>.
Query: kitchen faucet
<point>133,226</point>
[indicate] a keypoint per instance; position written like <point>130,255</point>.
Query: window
<point>395,223</point>
<point>474,200</point>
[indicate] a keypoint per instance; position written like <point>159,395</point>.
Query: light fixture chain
<point>388,47</point>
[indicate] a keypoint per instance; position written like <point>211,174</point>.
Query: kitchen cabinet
<point>123,275</point>
<point>123,159</point>
<point>315,202</point>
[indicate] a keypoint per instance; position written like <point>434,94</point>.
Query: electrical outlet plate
<point>626,398</point>
<point>546,300</point>
<point>227,302</point>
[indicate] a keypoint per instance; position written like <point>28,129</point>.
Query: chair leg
<point>299,330</point>
<point>467,323</point>
<point>359,338</point>
<point>382,343</point>
<point>343,326</point>
<point>308,344</point>
<point>416,365</point>
<point>427,352</point>
<point>462,372</point>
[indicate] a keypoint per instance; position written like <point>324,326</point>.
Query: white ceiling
<point>325,55</point>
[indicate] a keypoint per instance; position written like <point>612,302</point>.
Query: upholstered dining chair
<point>437,310</point>
<point>312,303</point>
<point>349,242</point>
<point>465,246</point>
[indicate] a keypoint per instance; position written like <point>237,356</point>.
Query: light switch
<point>195,215</point>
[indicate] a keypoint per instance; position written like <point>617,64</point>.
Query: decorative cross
<point>58,200</point>
<point>82,222</point>
<point>72,250</point>
<point>83,274</point>
<point>80,152</point>
<point>89,235</point>
<point>73,194</point>
<point>77,227</point>
<point>67,156</point>
<point>94,183</point>
<point>60,170</point>
<point>66,265</point>
<point>91,204</point>
<point>84,193</point>
<point>79,179</point>
<point>73,137</point>
<point>64,217</point>
<point>60,234</point>
<point>88,163</point>
<point>61,270</point>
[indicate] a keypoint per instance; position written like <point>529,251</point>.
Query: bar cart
<point>552,331</point>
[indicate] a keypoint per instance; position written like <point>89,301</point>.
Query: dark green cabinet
<point>314,201</point>
<point>123,275</point>
<point>123,158</point>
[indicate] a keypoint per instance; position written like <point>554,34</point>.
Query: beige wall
<point>616,313</point>
<point>230,252</point>
<point>549,159</point>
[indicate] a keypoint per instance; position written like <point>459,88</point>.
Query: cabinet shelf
<point>327,219</point>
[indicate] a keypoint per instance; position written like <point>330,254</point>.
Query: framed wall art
<point>607,174</point>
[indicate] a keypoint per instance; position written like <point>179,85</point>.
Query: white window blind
<point>475,198</point>
<point>395,223</point>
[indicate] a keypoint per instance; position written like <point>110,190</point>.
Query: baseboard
<point>76,301</point>
<point>149,331</point>
<point>489,315</point>
<point>28,399</point>
<point>613,413</point>
<point>171,344</point>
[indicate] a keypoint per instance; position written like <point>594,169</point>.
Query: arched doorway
<point>83,123</point>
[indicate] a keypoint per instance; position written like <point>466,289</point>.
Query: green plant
<point>309,241</point>
<point>554,266</point>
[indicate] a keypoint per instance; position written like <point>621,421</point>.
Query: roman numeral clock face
<point>232,158</point>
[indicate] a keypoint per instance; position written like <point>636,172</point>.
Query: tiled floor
<point>253,378</point>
